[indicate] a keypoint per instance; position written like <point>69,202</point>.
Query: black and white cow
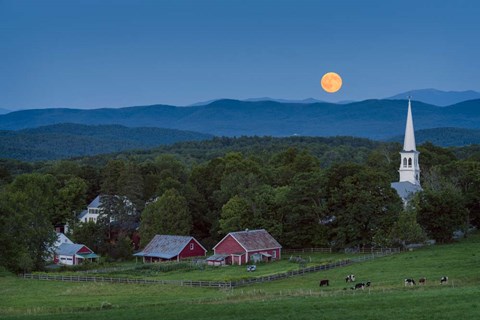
<point>409,282</point>
<point>443,280</point>
<point>324,283</point>
<point>368,283</point>
<point>350,278</point>
<point>422,281</point>
<point>359,286</point>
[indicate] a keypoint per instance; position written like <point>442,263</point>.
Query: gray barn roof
<point>165,246</point>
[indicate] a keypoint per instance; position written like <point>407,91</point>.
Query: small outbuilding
<point>171,248</point>
<point>71,254</point>
<point>247,246</point>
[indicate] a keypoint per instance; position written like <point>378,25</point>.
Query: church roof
<point>409,141</point>
<point>406,189</point>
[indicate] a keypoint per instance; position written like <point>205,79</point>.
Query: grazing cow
<point>324,283</point>
<point>368,283</point>
<point>409,282</point>
<point>422,281</point>
<point>359,286</point>
<point>443,280</point>
<point>350,278</point>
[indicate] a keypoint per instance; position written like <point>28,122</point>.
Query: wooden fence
<point>307,250</point>
<point>187,283</point>
<point>212,284</point>
<point>347,250</point>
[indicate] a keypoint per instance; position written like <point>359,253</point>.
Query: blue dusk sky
<point>88,54</point>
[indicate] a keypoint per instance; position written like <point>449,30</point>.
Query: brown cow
<point>324,283</point>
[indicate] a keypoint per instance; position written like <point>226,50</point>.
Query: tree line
<point>285,189</point>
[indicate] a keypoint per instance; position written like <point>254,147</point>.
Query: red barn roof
<point>253,240</point>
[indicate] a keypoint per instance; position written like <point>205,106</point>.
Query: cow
<point>368,283</point>
<point>422,281</point>
<point>350,278</point>
<point>443,280</point>
<point>359,286</point>
<point>324,282</point>
<point>409,282</point>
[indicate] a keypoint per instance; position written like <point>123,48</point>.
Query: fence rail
<point>307,250</point>
<point>187,283</point>
<point>213,284</point>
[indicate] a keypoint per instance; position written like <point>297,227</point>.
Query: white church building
<point>409,171</point>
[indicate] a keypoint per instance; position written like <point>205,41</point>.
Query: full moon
<point>331,82</point>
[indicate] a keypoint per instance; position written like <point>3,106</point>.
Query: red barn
<point>168,248</point>
<point>247,246</point>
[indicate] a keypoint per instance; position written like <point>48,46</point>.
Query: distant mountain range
<point>375,119</point>
<point>437,97</point>
<point>430,96</point>
<point>73,140</point>
<point>4,111</point>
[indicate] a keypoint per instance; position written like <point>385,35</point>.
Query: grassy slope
<point>295,298</point>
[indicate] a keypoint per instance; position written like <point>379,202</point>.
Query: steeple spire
<point>409,142</point>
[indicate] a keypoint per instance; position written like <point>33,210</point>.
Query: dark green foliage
<point>445,137</point>
<point>365,207</point>
<point>441,212</point>
<point>26,233</point>
<point>168,214</point>
<point>90,234</point>
<point>73,140</point>
<point>307,192</point>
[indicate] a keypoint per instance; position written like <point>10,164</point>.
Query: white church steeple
<point>409,141</point>
<point>409,165</point>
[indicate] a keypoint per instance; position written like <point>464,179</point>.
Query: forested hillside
<point>305,191</point>
<point>72,140</point>
<point>445,137</point>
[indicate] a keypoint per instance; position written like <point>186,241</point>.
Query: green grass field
<point>293,298</point>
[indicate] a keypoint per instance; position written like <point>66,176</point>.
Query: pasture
<point>292,298</point>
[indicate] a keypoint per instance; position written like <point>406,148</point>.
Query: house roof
<point>252,240</point>
<point>405,189</point>
<point>166,246</point>
<point>61,238</point>
<point>82,214</point>
<point>69,249</point>
<point>95,202</point>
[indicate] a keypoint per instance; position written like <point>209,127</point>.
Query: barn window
<point>409,162</point>
<point>404,162</point>
<point>192,246</point>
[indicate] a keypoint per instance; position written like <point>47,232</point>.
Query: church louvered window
<point>409,162</point>
<point>404,162</point>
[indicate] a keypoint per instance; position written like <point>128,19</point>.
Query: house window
<point>192,246</point>
<point>85,219</point>
<point>274,254</point>
<point>90,219</point>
